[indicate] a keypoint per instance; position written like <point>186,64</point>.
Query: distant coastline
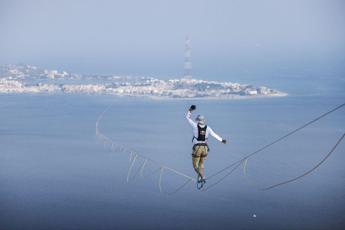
<point>23,79</point>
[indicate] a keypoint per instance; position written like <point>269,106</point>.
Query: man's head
<point>200,119</point>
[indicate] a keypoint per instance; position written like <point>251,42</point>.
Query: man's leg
<point>201,167</point>
<point>199,154</point>
<point>196,164</point>
<point>201,172</point>
<point>203,154</point>
<point>196,158</point>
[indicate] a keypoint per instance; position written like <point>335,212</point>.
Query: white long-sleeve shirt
<point>194,125</point>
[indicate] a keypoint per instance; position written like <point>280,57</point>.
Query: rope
<point>179,188</point>
<point>132,160</point>
<point>310,170</point>
<point>233,166</point>
<point>245,164</point>
<point>160,179</point>
<point>142,168</point>
<point>272,143</point>
<point>217,182</point>
<point>250,182</point>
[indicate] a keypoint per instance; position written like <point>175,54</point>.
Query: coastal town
<point>31,79</point>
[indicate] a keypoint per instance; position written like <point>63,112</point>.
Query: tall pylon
<point>187,59</point>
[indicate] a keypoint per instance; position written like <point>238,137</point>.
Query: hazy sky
<point>146,37</point>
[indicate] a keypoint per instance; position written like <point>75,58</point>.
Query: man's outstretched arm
<point>215,135</point>
<point>189,115</point>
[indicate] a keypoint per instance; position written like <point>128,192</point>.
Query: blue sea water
<point>56,174</point>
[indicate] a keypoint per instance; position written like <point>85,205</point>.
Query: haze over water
<point>56,174</point>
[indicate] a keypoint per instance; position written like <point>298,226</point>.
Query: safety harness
<point>201,134</point>
<point>202,140</point>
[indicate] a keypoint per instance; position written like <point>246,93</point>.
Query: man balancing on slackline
<point>200,147</point>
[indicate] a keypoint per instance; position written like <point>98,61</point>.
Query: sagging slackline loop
<point>245,164</point>
<point>310,170</point>
<point>272,143</point>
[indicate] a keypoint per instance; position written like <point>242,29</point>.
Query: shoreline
<point>152,97</point>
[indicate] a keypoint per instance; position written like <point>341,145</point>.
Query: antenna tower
<point>187,61</point>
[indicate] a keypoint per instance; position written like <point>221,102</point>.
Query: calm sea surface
<point>56,174</point>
